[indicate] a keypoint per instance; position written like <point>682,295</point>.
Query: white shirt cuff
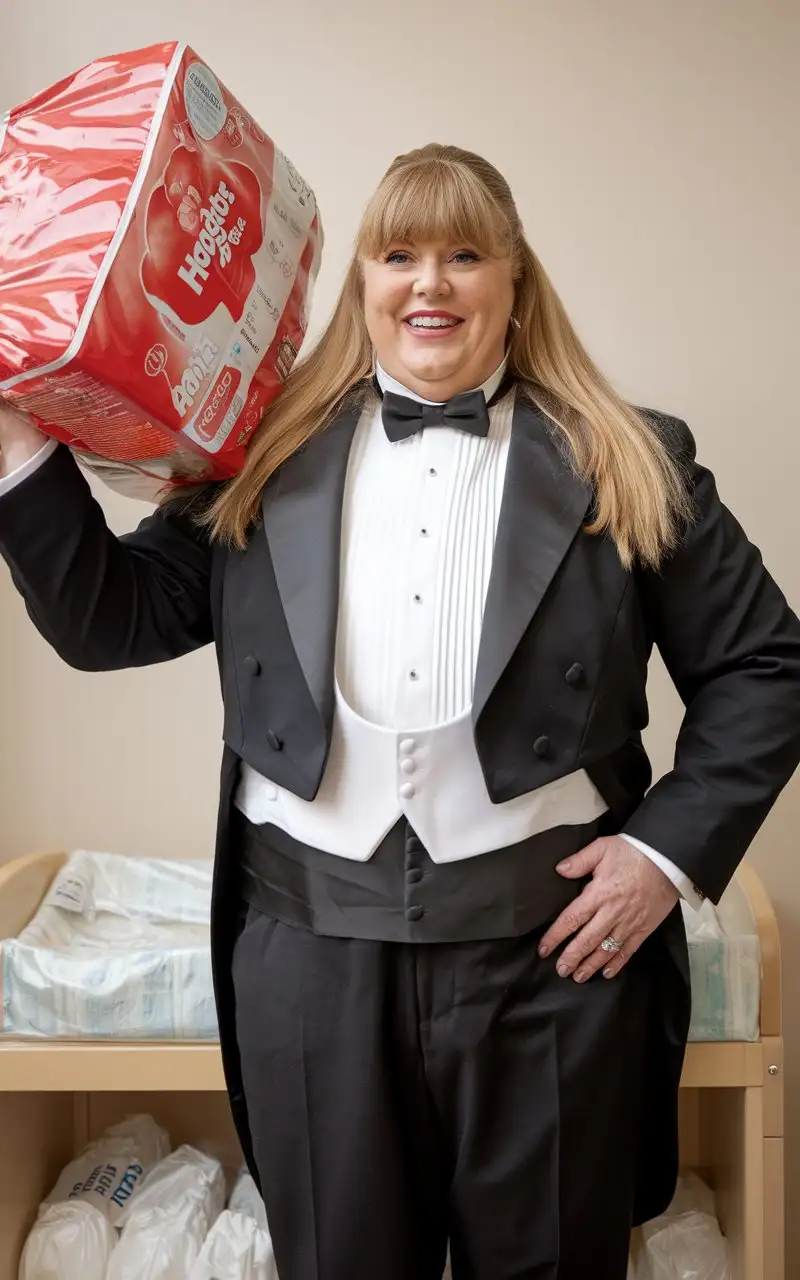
<point>15,477</point>
<point>688,891</point>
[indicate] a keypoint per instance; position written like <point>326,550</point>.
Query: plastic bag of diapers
<point>246,1199</point>
<point>164,1228</point>
<point>158,254</point>
<point>72,1239</point>
<point>685,1242</point>
<point>238,1246</point>
<point>74,1232</point>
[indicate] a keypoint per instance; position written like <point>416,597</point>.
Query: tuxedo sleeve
<point>731,644</point>
<point>104,602</point>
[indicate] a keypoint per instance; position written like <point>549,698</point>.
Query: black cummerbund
<point>400,894</point>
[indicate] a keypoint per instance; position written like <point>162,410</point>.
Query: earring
<point>516,322</point>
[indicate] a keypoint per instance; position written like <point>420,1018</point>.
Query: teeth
<point>435,322</point>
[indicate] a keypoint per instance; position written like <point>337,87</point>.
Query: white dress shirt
<point>419,522</point>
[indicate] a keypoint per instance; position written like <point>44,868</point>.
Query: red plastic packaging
<point>157,258</point>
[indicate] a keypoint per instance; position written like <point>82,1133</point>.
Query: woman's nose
<point>432,280</point>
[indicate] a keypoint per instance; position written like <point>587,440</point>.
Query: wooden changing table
<point>55,1096</point>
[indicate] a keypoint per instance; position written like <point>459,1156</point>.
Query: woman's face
<point>470,296</point>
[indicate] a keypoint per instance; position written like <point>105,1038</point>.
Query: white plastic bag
<point>119,949</point>
<point>164,1227</point>
<point>67,1240</point>
<point>160,1244</point>
<point>236,1248</point>
<point>689,1247</point>
<point>108,1172</point>
<point>685,1242</point>
<point>725,970</point>
<point>246,1199</point>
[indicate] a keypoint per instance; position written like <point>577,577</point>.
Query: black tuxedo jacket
<point>562,665</point>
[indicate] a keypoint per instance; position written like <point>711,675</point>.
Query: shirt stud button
<point>432,471</point>
<point>407,790</point>
<point>417,599</point>
<point>407,746</point>
<point>412,675</point>
<point>407,765</point>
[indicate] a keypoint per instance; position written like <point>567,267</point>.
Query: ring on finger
<point>611,945</point>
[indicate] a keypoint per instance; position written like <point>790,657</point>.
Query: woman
<point>449,954</point>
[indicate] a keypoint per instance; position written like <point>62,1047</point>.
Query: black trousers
<point>403,1094</point>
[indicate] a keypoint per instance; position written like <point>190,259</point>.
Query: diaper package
<point>74,1233</point>
<point>236,1248</point>
<point>165,1227</point>
<point>109,1172</point>
<point>157,257</point>
<point>72,1239</point>
<point>118,949</point>
<point>725,969</point>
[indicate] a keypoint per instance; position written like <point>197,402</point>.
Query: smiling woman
<point>450,965</point>
<point>438,315</point>
<point>442,233</point>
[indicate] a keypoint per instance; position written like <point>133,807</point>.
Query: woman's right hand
<point>20,438</point>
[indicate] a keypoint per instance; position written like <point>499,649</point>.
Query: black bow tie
<point>404,417</point>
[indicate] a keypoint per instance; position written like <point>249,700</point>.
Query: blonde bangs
<point>432,201</point>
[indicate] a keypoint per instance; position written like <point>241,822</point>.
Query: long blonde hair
<point>443,192</point>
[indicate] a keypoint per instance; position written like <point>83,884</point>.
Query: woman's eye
<point>399,257</point>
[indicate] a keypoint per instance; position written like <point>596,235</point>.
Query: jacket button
<point>542,746</point>
<point>575,676</point>
<point>273,740</point>
<point>252,665</point>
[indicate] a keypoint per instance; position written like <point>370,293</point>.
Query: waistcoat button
<point>415,913</point>
<point>252,665</point>
<point>542,746</point>
<point>575,676</point>
<point>273,740</point>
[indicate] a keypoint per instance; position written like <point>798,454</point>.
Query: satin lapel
<point>302,512</point>
<point>543,506</point>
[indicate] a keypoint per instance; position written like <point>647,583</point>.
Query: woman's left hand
<point>627,898</point>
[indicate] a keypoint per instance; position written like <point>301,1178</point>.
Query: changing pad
<point>119,949</point>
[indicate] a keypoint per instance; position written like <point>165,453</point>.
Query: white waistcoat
<point>432,776</point>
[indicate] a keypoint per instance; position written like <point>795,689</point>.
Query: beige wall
<point>652,150</point>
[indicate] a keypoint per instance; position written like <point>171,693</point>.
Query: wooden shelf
<point>90,1066</point>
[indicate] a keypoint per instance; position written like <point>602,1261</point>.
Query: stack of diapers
<point>238,1247</point>
<point>158,254</point>
<point>119,949</point>
<point>75,1232</point>
<point>164,1226</point>
<point>685,1242</point>
<point>129,1209</point>
<point>725,968</point>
